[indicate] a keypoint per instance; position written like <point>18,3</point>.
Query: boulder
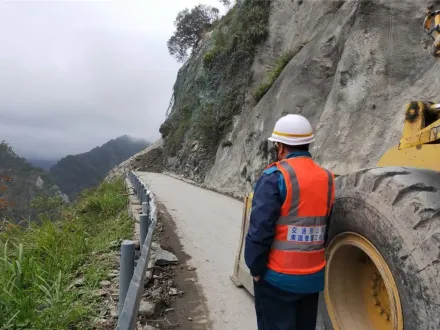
<point>147,309</point>
<point>165,258</point>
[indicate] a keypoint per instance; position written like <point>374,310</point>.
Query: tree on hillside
<point>190,26</point>
<point>226,3</point>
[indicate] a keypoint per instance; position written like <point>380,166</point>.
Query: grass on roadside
<point>38,264</point>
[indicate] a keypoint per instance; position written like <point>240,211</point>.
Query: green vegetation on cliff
<point>38,264</point>
<point>273,74</point>
<point>210,87</point>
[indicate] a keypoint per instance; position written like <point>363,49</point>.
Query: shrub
<point>261,90</point>
<point>178,124</point>
<point>270,78</point>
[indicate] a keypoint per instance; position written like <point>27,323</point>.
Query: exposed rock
<point>148,327</point>
<point>155,246</point>
<point>112,275</point>
<point>113,312</point>
<point>157,293</point>
<point>152,261</point>
<point>173,292</point>
<point>39,183</point>
<point>148,276</point>
<point>147,309</point>
<point>165,258</point>
<point>99,292</point>
<point>77,283</point>
<point>131,163</point>
<point>105,283</point>
<point>153,161</point>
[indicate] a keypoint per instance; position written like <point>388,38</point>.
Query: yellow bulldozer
<point>383,252</point>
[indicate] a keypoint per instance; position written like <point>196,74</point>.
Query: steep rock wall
<point>363,60</point>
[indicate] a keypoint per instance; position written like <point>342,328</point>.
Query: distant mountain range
<point>75,173</point>
<point>45,164</point>
<point>27,182</point>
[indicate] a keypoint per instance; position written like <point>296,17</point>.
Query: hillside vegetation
<point>77,172</point>
<point>25,184</point>
<point>39,264</point>
<point>210,87</point>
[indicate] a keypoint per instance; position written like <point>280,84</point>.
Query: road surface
<point>208,225</point>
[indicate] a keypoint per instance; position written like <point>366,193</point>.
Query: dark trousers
<point>280,310</point>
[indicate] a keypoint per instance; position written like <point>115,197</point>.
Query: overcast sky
<point>74,75</point>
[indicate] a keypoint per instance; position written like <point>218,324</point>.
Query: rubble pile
<point>152,161</point>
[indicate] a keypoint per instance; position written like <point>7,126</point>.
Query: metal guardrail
<point>131,282</point>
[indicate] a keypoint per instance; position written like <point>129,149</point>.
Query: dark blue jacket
<point>269,196</point>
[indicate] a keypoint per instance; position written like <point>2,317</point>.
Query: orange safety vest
<point>298,247</point>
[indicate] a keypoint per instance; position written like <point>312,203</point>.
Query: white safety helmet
<point>293,130</point>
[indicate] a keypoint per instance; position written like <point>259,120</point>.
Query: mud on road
<point>186,308</point>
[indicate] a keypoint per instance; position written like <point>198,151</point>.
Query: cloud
<point>74,75</point>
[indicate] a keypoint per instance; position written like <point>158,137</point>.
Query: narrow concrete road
<point>209,226</point>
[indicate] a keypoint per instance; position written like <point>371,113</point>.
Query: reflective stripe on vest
<point>298,247</point>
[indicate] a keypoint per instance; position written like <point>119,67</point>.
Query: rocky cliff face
<point>354,65</point>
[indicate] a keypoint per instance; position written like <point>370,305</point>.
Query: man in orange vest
<point>285,243</point>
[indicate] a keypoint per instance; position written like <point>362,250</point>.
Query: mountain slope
<point>26,183</point>
<point>349,66</point>
<point>77,172</point>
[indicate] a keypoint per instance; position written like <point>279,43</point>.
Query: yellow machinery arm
<point>418,146</point>
<point>431,26</point>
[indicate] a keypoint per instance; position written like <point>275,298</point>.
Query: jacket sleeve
<point>266,207</point>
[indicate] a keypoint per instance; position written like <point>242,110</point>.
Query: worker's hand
<point>257,278</point>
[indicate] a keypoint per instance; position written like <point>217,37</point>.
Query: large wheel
<point>383,260</point>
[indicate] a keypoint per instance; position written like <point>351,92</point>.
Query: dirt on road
<point>188,310</point>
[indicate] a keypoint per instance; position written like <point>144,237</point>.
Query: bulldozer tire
<point>383,256</point>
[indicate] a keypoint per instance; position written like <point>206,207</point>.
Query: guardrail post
<point>145,197</point>
<point>143,219</point>
<point>126,271</point>
<point>145,206</point>
<point>139,191</point>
